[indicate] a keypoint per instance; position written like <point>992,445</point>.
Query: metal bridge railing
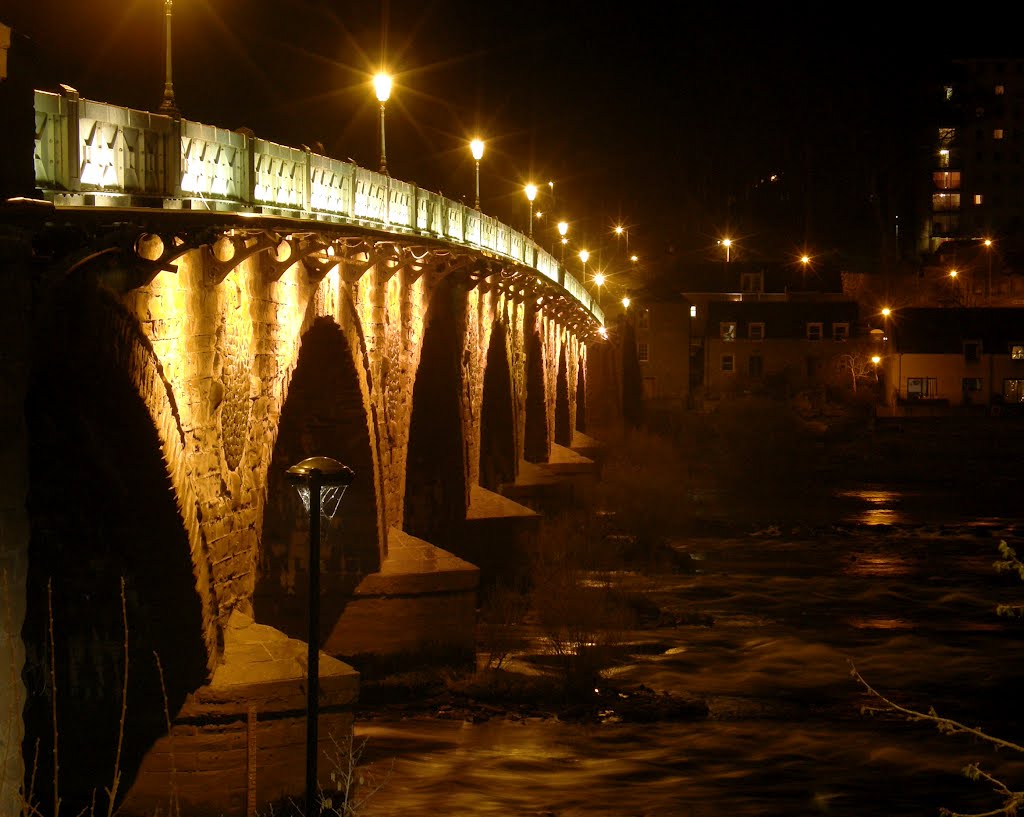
<point>120,156</point>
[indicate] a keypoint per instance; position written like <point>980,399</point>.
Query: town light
<point>625,302</point>
<point>321,483</point>
<point>599,279</point>
<point>167,104</point>
<point>476,147</point>
<point>584,256</point>
<point>876,359</point>
<point>727,243</point>
<point>382,87</point>
<point>886,312</point>
<point>531,194</point>
<point>953,273</point>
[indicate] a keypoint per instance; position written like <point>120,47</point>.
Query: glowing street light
<point>531,194</point>
<point>476,147</point>
<point>886,312</point>
<point>584,255</point>
<point>626,302</point>
<point>167,105</point>
<point>988,280</point>
<point>599,282</point>
<point>382,87</point>
<point>953,273</point>
<point>876,359</point>
<point>619,232</point>
<point>563,228</point>
<point>321,483</point>
<point>727,243</point>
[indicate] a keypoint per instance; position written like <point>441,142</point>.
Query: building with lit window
<point>977,159</point>
<point>946,360</point>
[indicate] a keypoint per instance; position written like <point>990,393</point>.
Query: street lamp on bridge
<point>167,105</point>
<point>531,194</point>
<point>382,87</point>
<point>563,228</point>
<point>321,483</point>
<point>599,280</point>
<point>476,147</point>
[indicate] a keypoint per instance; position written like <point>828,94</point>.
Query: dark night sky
<point>655,113</point>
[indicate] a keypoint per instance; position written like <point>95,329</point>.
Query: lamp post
<point>167,105</point>
<point>599,281</point>
<point>619,232</point>
<point>584,255</point>
<point>321,483</point>
<point>988,280</point>
<point>531,194</point>
<point>727,243</point>
<point>476,147</point>
<point>563,228</point>
<point>382,87</point>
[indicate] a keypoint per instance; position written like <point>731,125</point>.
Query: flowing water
<point>901,586</point>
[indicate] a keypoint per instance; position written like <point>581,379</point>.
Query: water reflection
<point>912,608</point>
<point>880,510</point>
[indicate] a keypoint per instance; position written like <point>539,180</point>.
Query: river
<point>901,585</point>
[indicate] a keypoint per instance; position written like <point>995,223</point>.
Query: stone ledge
<point>484,504</point>
<point>263,667</point>
<point>415,567</point>
<point>564,460</point>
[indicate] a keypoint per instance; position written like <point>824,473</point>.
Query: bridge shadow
<point>101,509</point>
<point>323,415</point>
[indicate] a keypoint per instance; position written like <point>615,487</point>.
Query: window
<point>1017,352</point>
<point>814,331</point>
<point>840,331</point>
<point>693,311</point>
<point>752,282</point>
<point>643,320</point>
<point>728,363</point>
<point>948,90</point>
<point>944,158</point>
<point>727,330</point>
<point>946,179</point>
<point>977,198</point>
<point>755,331</point>
<point>972,351</point>
<point>1000,90</point>
<point>921,388</point>
<point>1013,391</point>
<point>997,133</point>
<point>942,202</point>
<point>755,365</point>
<point>970,383</point>
<point>642,352</point>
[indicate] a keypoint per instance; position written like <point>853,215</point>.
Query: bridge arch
<point>435,475</point>
<point>581,393</point>
<point>497,414</point>
<point>563,430</point>
<point>102,508</point>
<point>324,414</point>
<point>535,435</point>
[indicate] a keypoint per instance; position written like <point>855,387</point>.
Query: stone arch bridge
<point>187,312</point>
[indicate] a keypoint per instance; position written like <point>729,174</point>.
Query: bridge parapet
<point>93,153</point>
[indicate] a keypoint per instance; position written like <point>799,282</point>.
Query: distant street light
<point>321,483</point>
<point>476,147</point>
<point>531,194</point>
<point>382,87</point>
<point>876,359</point>
<point>626,302</point>
<point>988,280</point>
<point>563,228</point>
<point>620,231</point>
<point>727,243</point>
<point>167,105</point>
<point>886,312</point>
<point>599,281</point>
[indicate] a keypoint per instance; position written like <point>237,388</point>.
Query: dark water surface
<point>902,585</point>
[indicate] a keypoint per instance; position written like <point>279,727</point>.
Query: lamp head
<point>531,191</point>
<point>477,148</point>
<point>563,228</point>
<point>382,86</point>
<point>584,255</point>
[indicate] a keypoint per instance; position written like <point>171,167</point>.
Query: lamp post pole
<point>382,87</point>
<point>476,147</point>
<point>167,105</point>
<point>531,194</point>
<point>311,477</point>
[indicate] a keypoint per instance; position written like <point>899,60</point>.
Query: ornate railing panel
<point>112,154</point>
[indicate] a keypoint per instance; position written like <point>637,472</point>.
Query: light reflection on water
<point>912,608</point>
